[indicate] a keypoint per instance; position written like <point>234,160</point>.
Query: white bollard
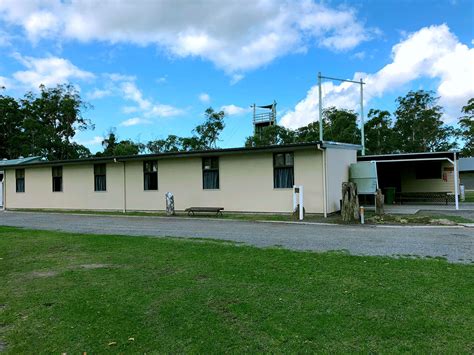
<point>362,217</point>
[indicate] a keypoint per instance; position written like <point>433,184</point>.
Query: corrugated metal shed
<point>466,164</point>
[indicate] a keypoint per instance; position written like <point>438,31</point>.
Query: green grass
<point>469,196</point>
<point>74,293</point>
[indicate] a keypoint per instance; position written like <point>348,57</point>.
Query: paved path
<point>454,243</point>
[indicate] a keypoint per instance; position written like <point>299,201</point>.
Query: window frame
<point>285,165</point>
<point>17,178</point>
<point>60,177</point>
<point>210,169</point>
<point>150,173</point>
<point>96,175</point>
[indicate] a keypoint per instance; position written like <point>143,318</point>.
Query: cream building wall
<point>246,184</point>
<point>409,182</point>
<point>338,163</point>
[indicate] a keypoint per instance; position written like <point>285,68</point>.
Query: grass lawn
<point>469,196</point>
<point>88,293</point>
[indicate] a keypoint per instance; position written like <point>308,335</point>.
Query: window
<point>100,178</point>
<point>428,170</point>
<point>283,171</point>
<point>210,173</point>
<point>20,180</point>
<point>57,172</point>
<point>150,175</point>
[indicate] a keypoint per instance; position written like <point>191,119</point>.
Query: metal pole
<point>362,133</point>
<point>320,109</point>
<point>456,197</point>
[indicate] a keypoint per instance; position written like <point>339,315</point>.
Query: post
<point>320,108</point>
<point>362,133</point>
<point>301,203</point>
<point>456,187</point>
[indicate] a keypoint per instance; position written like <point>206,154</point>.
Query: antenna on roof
<point>263,116</point>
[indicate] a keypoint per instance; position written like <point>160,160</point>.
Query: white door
<point>1,189</point>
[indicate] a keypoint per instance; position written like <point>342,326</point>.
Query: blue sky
<point>151,68</point>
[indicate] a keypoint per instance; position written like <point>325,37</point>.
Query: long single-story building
<point>237,179</point>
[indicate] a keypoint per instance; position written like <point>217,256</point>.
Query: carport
<point>428,177</point>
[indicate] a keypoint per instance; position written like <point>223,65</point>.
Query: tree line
<point>45,123</point>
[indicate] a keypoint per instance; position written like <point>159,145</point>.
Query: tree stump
<point>169,204</point>
<point>350,202</point>
<point>379,200</point>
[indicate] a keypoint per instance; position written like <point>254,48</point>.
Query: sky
<point>151,68</point>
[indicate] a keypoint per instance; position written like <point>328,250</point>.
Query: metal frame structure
<point>361,83</point>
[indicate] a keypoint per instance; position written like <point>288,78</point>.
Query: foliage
<point>419,127</point>
<point>43,124</point>
<point>113,147</point>
<point>206,136</point>
<point>74,293</point>
<point>379,137</point>
<point>271,135</point>
<point>338,126</point>
<point>466,124</point>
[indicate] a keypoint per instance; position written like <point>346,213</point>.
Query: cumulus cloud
<point>204,98</point>
<point>99,94</point>
<point>134,121</point>
<point>432,52</point>
<point>233,110</point>
<point>97,140</point>
<point>235,37</point>
<point>48,71</point>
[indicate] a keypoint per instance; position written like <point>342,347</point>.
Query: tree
<point>43,124</point>
<point>208,132</point>
<point>113,147</point>
<point>271,135</point>
<point>466,124</point>
<point>12,137</point>
<point>379,133</point>
<point>206,136</point>
<point>419,127</point>
<point>340,125</point>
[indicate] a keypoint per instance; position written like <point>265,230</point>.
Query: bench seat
<point>192,210</point>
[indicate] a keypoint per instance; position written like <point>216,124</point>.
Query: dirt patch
<point>48,273</point>
<point>94,266</point>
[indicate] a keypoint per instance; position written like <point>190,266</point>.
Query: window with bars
<point>283,171</point>
<point>20,180</point>
<point>150,175</point>
<point>57,173</point>
<point>100,177</point>
<point>210,173</point>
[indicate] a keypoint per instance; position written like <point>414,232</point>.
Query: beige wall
<point>246,184</point>
<point>78,189</point>
<point>410,183</point>
<point>338,163</point>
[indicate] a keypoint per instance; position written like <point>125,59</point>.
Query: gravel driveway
<point>454,243</point>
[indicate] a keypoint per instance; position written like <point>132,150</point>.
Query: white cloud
<point>432,52</point>
<point>48,71</point>
<point>97,140</point>
<point>235,36</point>
<point>99,94</point>
<point>233,110</point>
<point>204,98</point>
<point>134,121</point>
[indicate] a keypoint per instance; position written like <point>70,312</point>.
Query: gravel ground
<point>456,244</point>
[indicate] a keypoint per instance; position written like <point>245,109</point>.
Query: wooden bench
<point>424,197</point>
<point>192,210</point>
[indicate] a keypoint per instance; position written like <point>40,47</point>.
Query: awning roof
<point>408,156</point>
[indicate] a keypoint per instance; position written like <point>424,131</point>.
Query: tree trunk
<point>350,202</point>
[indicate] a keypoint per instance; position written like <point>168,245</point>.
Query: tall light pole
<point>361,83</point>
<point>320,108</point>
